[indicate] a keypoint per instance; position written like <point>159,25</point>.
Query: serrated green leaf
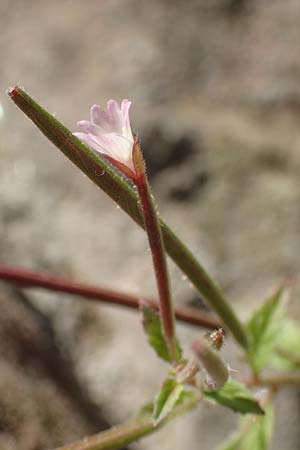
<point>254,433</point>
<point>235,396</point>
<point>286,354</point>
<point>167,399</point>
<point>153,329</point>
<point>263,329</point>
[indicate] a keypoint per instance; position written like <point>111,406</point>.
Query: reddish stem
<point>159,261</point>
<point>29,279</point>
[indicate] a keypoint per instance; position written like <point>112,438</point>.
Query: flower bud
<point>211,362</point>
<point>109,132</point>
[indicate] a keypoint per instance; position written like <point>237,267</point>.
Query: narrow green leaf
<point>153,329</point>
<point>286,354</point>
<point>101,173</point>
<point>178,349</point>
<point>254,433</point>
<point>185,396</point>
<point>263,330</point>
<point>167,399</point>
<point>235,396</point>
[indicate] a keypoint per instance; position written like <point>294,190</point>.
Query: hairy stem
<point>100,172</point>
<point>157,247</point>
<point>118,436</point>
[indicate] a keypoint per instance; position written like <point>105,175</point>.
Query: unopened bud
<point>211,362</point>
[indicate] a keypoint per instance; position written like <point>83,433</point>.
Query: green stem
<point>100,172</point>
<point>156,243</point>
<point>121,435</point>
<point>113,439</point>
<point>187,262</point>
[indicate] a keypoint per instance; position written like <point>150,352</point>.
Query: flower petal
<point>126,129</point>
<point>91,141</point>
<point>100,118</point>
<point>114,145</point>
<point>83,137</point>
<point>125,106</point>
<point>115,115</point>
<point>109,132</point>
<point>88,127</point>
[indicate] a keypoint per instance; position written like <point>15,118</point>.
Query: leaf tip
<point>12,91</point>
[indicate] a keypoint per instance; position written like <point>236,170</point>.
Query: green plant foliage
<point>267,339</point>
<point>108,179</point>
<point>147,410</point>
<point>167,399</point>
<point>235,396</point>
<point>286,354</point>
<point>183,397</point>
<point>153,329</point>
<point>263,330</point>
<point>254,433</point>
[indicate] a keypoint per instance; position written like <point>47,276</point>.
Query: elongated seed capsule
<point>211,362</point>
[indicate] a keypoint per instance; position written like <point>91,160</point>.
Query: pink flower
<point>109,132</point>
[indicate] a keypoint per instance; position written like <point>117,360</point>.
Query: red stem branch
<point>29,279</point>
<point>156,243</point>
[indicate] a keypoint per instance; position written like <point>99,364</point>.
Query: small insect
<point>216,338</point>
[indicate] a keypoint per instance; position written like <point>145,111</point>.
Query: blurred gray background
<point>215,87</point>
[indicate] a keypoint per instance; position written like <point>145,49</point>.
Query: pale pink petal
<point>91,141</point>
<point>109,132</point>
<point>96,143</point>
<point>100,118</point>
<point>126,129</point>
<point>125,106</point>
<point>115,146</point>
<point>115,116</point>
<point>88,127</point>
<point>83,137</point>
